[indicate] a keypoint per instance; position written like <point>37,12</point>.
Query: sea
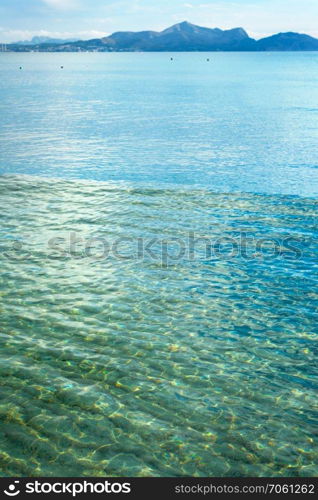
<point>158,264</point>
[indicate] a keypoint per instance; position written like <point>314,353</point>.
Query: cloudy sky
<point>22,19</point>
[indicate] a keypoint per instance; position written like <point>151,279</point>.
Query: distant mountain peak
<point>38,39</point>
<point>288,41</point>
<point>183,26</point>
<point>185,23</point>
<point>239,30</point>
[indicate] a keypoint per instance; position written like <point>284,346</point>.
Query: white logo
<point>12,490</point>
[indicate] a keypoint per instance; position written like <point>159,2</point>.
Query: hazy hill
<point>36,40</point>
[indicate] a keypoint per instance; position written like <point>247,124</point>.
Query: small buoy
<point>208,60</point>
<point>20,67</point>
<point>62,67</point>
<point>171,58</point>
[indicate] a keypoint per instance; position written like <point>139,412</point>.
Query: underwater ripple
<point>135,367</point>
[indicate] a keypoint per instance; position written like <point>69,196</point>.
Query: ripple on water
<point>155,366</point>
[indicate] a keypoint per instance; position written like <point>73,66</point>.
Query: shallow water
<point>158,253</point>
<point>126,365</point>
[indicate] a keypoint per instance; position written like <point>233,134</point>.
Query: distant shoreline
<point>181,37</point>
<point>32,51</point>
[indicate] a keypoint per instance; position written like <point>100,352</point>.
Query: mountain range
<point>180,37</point>
<point>37,40</point>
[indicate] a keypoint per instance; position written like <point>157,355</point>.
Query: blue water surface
<point>239,122</point>
<point>158,264</point>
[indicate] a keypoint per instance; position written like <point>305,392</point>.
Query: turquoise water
<point>242,122</point>
<point>158,275</point>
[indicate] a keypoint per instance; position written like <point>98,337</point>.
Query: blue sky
<point>22,19</point>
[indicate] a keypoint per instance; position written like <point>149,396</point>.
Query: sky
<point>84,19</point>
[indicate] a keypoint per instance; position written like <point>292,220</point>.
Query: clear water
<point>120,362</point>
